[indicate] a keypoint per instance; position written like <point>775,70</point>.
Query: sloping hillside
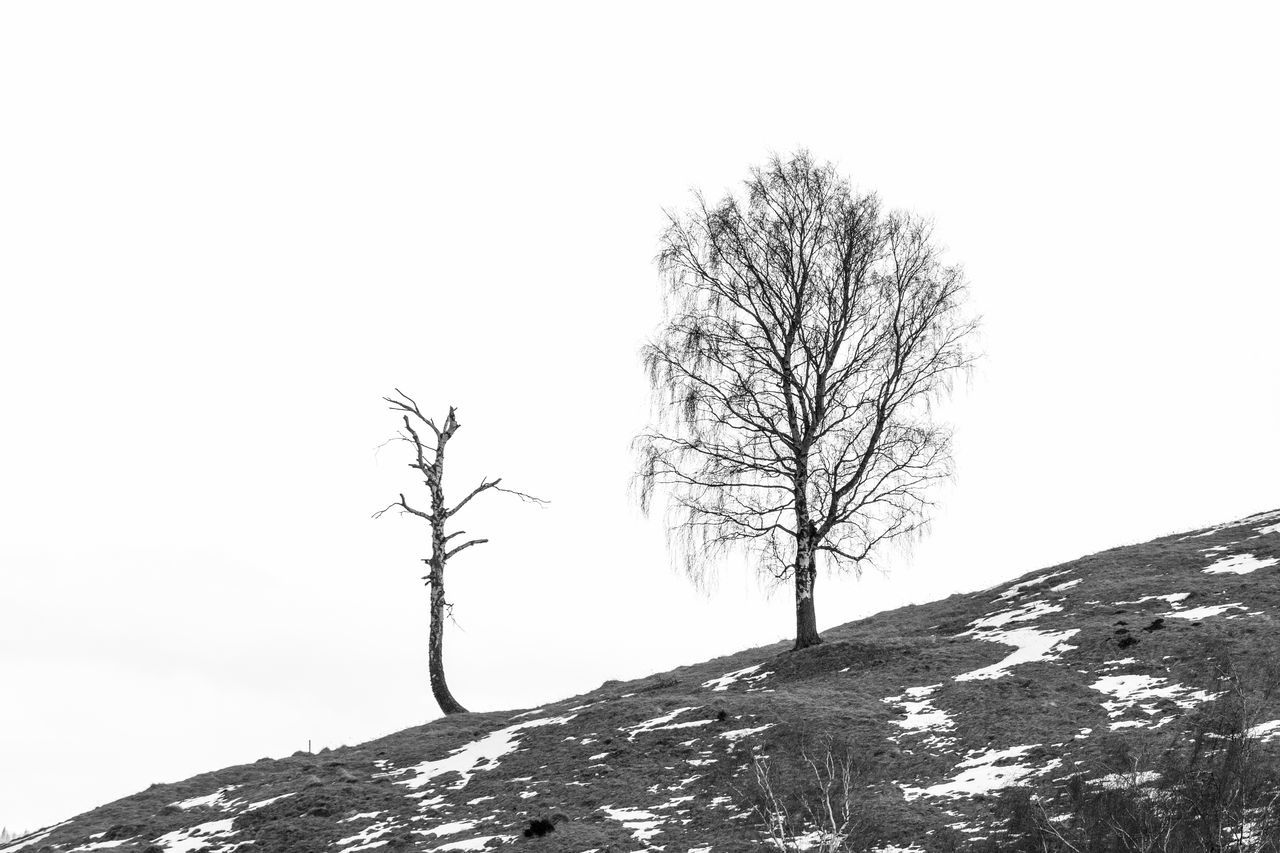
<point>1070,672</point>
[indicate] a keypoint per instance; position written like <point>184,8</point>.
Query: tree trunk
<point>439,687</point>
<point>806,573</point>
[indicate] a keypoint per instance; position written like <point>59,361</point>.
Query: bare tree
<point>429,460</point>
<point>807,334</point>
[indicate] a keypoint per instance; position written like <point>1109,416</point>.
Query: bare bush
<point>816,802</point>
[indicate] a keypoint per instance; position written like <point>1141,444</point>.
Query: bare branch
<point>524,497</point>
<point>464,546</point>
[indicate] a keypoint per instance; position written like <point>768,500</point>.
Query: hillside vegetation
<point>1118,693</point>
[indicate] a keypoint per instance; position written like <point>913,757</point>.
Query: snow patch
<point>1019,587</point>
<point>367,837</point>
<point>663,722</point>
<point>644,824</point>
<point>99,845</point>
<point>1031,645</point>
<point>1240,564</point>
<point>1143,693</point>
<point>922,716</point>
<point>1025,613</point>
<point>452,828</point>
<point>1174,599</point>
<point>1117,781</point>
<point>1266,732</point>
<point>253,807</point>
<point>736,735</point>
<point>217,798</point>
<point>211,834</point>
<point>725,681</point>
<point>482,754</point>
<point>982,774</point>
<point>474,843</point>
<point>1195,614</point>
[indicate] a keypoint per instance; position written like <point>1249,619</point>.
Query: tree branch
<point>464,546</point>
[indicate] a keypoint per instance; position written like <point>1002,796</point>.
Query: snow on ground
<point>473,843</point>
<point>729,678</point>
<point>1144,693</point>
<point>211,834</point>
<point>1116,664</point>
<point>367,837</point>
<point>451,828</point>
<point>482,754</point>
<point>1270,528</point>
<point>1031,645</point>
<point>1267,732</point>
<point>644,824</point>
<point>1063,587</point>
<point>1117,781</point>
<point>663,722</point>
<point>981,774</point>
<point>1024,613</point>
<point>808,840</point>
<point>735,735</point>
<point>268,801</point>
<point>99,845</point>
<point>1240,564</point>
<point>218,798</point>
<point>1019,587</point>
<point>1174,599</point>
<point>922,717</point>
<point>1195,614</point>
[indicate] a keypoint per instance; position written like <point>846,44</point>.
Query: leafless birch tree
<point>428,460</point>
<point>807,334</point>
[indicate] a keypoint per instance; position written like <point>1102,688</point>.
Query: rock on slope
<point>950,702</point>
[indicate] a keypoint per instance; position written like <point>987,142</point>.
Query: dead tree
<point>807,334</point>
<point>428,460</point>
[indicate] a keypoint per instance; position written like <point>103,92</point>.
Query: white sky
<point>226,230</point>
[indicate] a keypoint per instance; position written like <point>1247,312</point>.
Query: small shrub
<point>816,798</point>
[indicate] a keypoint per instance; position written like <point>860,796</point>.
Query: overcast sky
<point>226,230</point>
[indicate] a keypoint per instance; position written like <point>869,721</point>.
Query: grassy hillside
<point>966,721</point>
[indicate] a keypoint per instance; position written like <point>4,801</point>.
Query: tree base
<point>806,642</point>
